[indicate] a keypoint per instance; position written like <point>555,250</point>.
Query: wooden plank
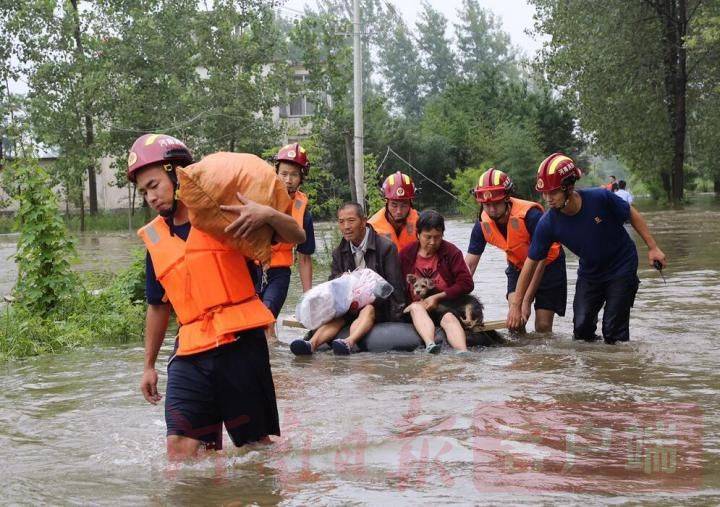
<point>494,325</point>
<point>489,326</point>
<point>292,322</point>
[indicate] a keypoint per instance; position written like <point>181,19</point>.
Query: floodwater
<point>544,420</point>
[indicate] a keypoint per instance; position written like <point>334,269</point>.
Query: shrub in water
<point>44,251</point>
<point>53,310</point>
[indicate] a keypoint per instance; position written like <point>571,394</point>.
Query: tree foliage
<point>632,79</point>
<point>211,74</point>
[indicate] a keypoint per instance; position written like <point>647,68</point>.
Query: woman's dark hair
<point>430,219</point>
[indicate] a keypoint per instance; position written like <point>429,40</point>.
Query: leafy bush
<point>44,251</point>
<point>55,309</point>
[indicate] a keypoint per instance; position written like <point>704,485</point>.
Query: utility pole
<point>358,104</point>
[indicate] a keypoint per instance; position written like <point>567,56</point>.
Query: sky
<point>516,16</point>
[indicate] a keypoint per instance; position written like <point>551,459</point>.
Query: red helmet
<point>493,185</point>
<point>295,154</point>
<point>556,171</point>
<point>398,186</point>
<point>151,149</point>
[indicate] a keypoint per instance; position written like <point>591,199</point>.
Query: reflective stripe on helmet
<point>556,162</point>
<point>496,178</point>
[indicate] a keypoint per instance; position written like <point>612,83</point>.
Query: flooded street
<point>544,420</point>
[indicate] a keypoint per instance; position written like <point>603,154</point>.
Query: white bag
<point>333,299</point>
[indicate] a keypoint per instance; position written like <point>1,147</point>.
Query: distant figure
<point>611,183</point>
<point>623,194</point>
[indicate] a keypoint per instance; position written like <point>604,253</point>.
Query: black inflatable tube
<point>402,337</point>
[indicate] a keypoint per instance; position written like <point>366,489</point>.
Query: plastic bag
<point>335,298</point>
<point>215,180</point>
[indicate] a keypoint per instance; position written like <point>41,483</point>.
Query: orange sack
<point>215,180</point>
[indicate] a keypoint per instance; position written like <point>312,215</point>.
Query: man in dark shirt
<point>589,222</point>
<point>292,166</point>
<point>361,247</point>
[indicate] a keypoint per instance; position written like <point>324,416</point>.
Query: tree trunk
<point>716,184</point>
<point>350,166</point>
<point>92,190</point>
<point>82,208</point>
<point>674,19</point>
<point>89,128</point>
<point>667,186</point>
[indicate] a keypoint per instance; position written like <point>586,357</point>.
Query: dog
<point>467,308</point>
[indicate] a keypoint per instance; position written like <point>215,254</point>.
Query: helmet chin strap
<point>567,193</point>
<point>168,214</point>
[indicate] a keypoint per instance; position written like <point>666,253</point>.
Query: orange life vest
<point>208,285</point>
<point>282,253</point>
<point>517,243</point>
<point>407,234</point>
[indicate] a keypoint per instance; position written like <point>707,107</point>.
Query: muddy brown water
<point>545,420</point>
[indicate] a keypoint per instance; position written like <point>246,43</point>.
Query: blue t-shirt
<point>554,273</point>
<point>308,247</point>
<point>595,234</point>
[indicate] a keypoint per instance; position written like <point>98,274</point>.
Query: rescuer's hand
<point>251,217</point>
<point>148,386</point>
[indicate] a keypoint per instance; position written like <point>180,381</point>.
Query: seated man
<point>361,247</point>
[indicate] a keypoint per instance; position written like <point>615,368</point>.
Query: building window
<point>301,106</point>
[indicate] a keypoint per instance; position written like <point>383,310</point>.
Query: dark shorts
<point>551,297</point>
<point>273,290</point>
<point>230,385</point>
<point>617,295</point>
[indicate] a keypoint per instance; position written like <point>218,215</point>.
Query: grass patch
<point>107,221</point>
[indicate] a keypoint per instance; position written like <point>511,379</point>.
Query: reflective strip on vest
<point>208,285</point>
<point>282,253</point>
<point>517,243</point>
<point>408,233</point>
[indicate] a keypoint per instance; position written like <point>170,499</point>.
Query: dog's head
<point>420,287</point>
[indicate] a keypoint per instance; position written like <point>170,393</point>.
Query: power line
<point>383,160</point>
<point>390,150</point>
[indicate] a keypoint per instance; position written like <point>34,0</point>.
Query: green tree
<point>57,43</point>
<point>243,58</point>
<point>398,65</point>
<point>629,76</point>
<point>484,49</point>
<point>438,62</point>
